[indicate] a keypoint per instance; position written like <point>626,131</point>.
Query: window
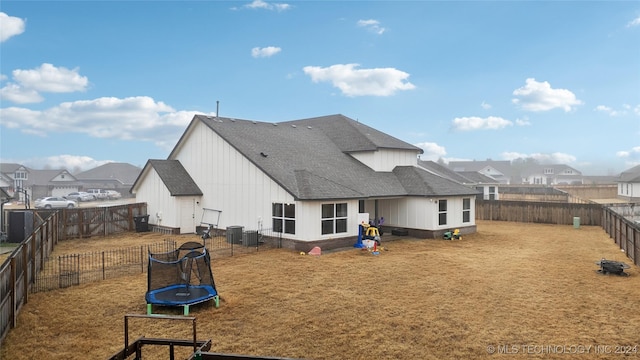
<point>548,171</point>
<point>442,212</point>
<point>21,175</point>
<point>334,218</point>
<point>361,206</point>
<point>466,210</point>
<point>284,218</point>
<point>492,192</point>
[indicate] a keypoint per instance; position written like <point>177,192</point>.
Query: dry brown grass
<point>509,284</point>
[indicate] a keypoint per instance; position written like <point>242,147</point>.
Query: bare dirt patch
<point>510,284</point>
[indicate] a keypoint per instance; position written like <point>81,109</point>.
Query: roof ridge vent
<point>293,126</point>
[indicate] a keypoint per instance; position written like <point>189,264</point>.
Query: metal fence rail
<point>75,269</point>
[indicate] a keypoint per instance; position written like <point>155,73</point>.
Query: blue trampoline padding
<point>178,295</point>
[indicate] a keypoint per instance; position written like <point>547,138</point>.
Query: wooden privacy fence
<point>99,221</point>
<point>539,212</point>
<point>624,232</point>
<point>21,268</point>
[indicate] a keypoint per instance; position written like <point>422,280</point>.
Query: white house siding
<point>63,190</point>
<point>163,209</point>
<point>387,159</point>
<point>629,190</point>
<point>229,181</point>
<point>424,212</point>
<point>309,220</point>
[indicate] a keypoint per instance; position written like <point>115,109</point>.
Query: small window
<point>442,212</point>
<point>466,210</point>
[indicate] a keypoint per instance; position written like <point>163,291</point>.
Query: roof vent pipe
<point>217,107</point>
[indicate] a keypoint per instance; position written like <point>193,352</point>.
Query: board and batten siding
<point>387,159</point>
<point>229,181</point>
<point>163,209</point>
<point>629,189</point>
<point>309,219</point>
<point>422,213</point>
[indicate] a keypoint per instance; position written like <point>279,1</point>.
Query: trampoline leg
<point>149,310</point>
<point>216,299</point>
<point>185,310</point>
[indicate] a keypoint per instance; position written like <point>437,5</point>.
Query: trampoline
<point>181,277</point>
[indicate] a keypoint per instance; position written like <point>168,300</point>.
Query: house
<point>629,184</point>
<point>487,186</point>
<point>111,176</point>
<point>312,180</point>
<point>501,171</point>
<point>29,184</point>
<point>550,174</point>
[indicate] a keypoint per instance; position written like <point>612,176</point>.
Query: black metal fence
<point>74,269</point>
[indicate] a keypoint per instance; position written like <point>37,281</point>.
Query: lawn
<point>529,289</point>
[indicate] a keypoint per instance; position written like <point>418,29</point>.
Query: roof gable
<point>311,158</point>
<point>175,177</point>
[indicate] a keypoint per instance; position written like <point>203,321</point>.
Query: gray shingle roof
<point>631,175</point>
<point>123,173</point>
<point>175,177</point>
<point>310,158</point>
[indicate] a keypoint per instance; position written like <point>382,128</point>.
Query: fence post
<point>13,313</point>
<point>103,271</point>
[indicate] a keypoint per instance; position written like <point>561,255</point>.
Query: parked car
<point>112,195</point>
<point>100,194</point>
<point>81,196</point>
<point>52,202</point>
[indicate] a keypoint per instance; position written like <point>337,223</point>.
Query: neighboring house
<point>313,180</point>
<point>487,186</point>
<point>110,176</point>
<point>501,171</point>
<point>51,183</point>
<point>23,183</point>
<point>554,174</point>
<point>14,178</point>
<point>629,184</point>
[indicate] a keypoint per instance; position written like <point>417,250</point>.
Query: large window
<point>466,210</point>
<point>442,212</point>
<point>334,218</point>
<point>284,218</point>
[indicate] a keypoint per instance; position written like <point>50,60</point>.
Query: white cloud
<point>539,96</point>
<point>372,25</point>
<point>10,26</point>
<point>634,22</point>
<point>28,84</point>
<point>609,111</point>
<point>268,51</point>
<point>361,82</point>
<point>477,123</point>
<point>139,118</point>
<point>485,106</point>
<point>633,154</point>
<point>259,4</point>
<point>523,122</point>
<point>19,95</point>
<point>432,151</point>
<point>552,158</point>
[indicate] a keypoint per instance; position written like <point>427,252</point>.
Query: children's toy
<point>453,235</point>
<point>181,277</point>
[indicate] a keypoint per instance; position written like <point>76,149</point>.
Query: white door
<point>187,216</point>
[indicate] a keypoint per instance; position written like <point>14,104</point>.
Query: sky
<point>83,83</point>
